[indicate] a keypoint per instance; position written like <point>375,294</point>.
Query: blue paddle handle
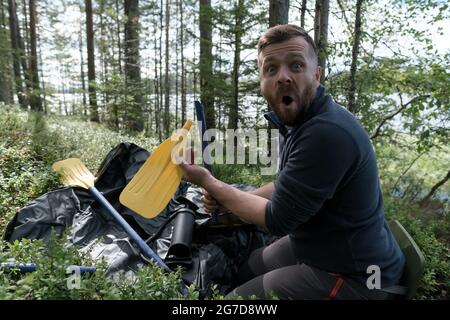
<point>31,267</point>
<point>23,267</point>
<point>130,231</point>
<point>200,111</point>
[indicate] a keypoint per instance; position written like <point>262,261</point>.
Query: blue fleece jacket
<point>328,197</point>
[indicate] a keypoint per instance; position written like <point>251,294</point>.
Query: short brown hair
<point>284,32</point>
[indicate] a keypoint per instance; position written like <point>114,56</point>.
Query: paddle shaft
<point>130,231</point>
<point>31,267</point>
<point>199,110</point>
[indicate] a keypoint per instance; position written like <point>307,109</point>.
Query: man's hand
<point>211,205</point>
<point>246,206</point>
<point>195,174</point>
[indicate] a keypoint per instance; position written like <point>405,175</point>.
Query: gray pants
<point>273,271</point>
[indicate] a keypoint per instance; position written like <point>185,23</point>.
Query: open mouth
<point>286,100</point>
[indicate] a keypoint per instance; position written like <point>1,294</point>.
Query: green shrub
<point>242,174</point>
<point>52,281</point>
<point>435,283</point>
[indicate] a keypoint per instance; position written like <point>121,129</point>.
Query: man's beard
<point>303,100</point>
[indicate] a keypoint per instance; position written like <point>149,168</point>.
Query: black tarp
<point>216,252</point>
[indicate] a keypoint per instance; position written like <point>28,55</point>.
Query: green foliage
<point>23,175</point>
<point>91,142</point>
<point>52,281</point>
<point>121,107</point>
<point>431,235</point>
<point>242,174</point>
<point>409,174</point>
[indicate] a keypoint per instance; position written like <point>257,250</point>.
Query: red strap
<point>335,290</point>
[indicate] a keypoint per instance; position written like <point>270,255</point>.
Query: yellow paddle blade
<point>74,173</point>
<point>151,189</point>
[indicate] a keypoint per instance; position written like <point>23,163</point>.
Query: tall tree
<point>82,75</point>
<point>91,62</point>
<point>102,48</point>
<point>238,33</point>
<point>278,12</point>
<point>160,96</point>
<point>134,119</point>
<point>303,13</point>
<point>119,45</point>
<point>6,94</point>
<point>183,68</point>
<point>321,32</point>
<point>35,94</point>
<point>206,62</point>
<point>41,66</point>
<point>156,80</point>
<point>166,78</point>
<point>25,28</point>
<point>24,61</point>
<point>177,73</point>
<point>355,51</point>
<point>15,45</point>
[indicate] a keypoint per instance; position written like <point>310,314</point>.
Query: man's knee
<point>251,289</point>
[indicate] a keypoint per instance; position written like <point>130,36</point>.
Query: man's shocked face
<point>289,77</point>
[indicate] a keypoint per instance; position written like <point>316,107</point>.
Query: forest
<point>77,78</point>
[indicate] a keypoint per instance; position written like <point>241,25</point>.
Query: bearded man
<point>326,203</point>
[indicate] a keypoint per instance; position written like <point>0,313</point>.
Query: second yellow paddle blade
<point>74,173</point>
<point>151,189</point>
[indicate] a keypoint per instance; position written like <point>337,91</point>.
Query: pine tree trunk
<point>14,35</point>
<point>303,13</point>
<point>278,12</point>
<point>91,63</point>
<point>183,71</point>
<point>234,110</point>
<point>83,82</point>
<point>24,64</point>
<point>206,62</point>
<point>6,94</point>
<point>160,96</point>
<point>157,82</point>
<point>321,32</point>
<point>177,38</point>
<point>102,49</point>
<point>44,94</point>
<point>166,78</point>
<point>132,64</point>
<point>355,52</point>
<point>119,45</point>
<point>156,85</point>
<point>25,28</point>
<point>35,95</point>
